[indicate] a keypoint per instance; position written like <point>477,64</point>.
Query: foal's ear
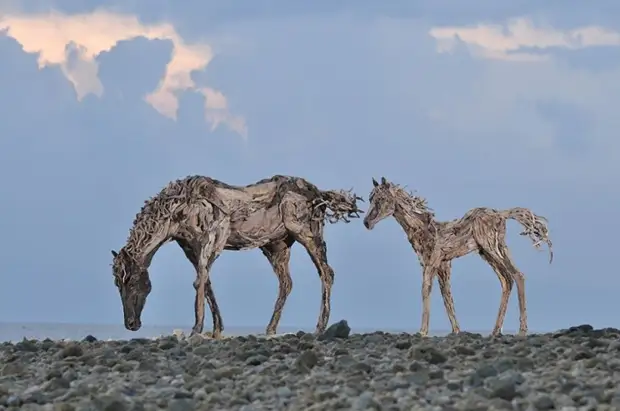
<point>114,253</point>
<point>383,181</point>
<point>374,182</point>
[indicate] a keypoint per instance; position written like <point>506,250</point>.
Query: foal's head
<point>384,198</point>
<point>134,285</point>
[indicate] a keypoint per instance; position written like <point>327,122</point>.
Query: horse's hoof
<point>194,332</point>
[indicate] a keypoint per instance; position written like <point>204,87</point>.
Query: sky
<point>495,104</point>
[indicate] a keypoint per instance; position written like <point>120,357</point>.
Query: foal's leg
<point>519,279</point>
<point>496,261</point>
<point>279,255</point>
<point>427,288</point>
<point>431,269</point>
<point>443,275</point>
<point>218,324</point>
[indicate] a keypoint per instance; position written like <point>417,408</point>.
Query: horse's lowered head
<point>134,285</point>
<point>341,205</point>
<point>384,198</point>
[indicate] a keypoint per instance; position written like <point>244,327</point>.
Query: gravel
<point>573,369</point>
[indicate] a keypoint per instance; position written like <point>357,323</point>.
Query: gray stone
<point>504,388</point>
<point>366,401</point>
<point>543,402</point>
<point>339,330</point>
<point>306,361</point>
<point>362,372</point>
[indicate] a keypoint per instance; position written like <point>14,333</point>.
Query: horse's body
<point>206,216</point>
<point>437,243</point>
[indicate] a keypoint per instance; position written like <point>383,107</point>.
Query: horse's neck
<point>142,245</point>
<point>419,229</point>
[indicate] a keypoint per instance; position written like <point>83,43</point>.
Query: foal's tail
<point>534,226</point>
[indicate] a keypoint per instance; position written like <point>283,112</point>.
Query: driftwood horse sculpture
<point>436,243</point>
<point>206,216</point>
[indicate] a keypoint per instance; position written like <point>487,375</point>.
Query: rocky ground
<point>574,369</point>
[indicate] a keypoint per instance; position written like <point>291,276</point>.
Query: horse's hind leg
<point>317,251</point>
<point>279,255</point>
<point>496,260</point>
<point>312,240</point>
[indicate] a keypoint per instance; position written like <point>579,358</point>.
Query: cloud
<point>505,42</point>
<point>506,78</point>
<point>73,43</point>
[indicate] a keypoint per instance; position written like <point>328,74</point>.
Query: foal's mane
<point>410,200</point>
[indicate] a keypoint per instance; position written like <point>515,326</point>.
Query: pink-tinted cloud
<point>56,36</point>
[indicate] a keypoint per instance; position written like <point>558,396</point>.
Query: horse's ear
<point>383,181</point>
<point>114,253</point>
<point>374,182</point>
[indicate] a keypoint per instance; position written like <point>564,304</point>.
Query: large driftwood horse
<point>436,243</point>
<point>205,216</point>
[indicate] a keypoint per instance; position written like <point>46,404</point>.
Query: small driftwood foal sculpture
<point>206,216</point>
<point>436,243</point>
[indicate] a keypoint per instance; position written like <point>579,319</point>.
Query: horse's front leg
<point>199,303</point>
<point>210,248</point>
<point>218,323</point>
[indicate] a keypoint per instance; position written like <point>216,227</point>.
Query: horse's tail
<point>535,227</point>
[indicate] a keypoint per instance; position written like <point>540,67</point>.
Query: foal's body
<point>436,243</point>
<point>205,216</point>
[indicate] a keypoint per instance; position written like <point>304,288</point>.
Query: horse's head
<point>340,204</point>
<point>383,200</point>
<point>134,285</point>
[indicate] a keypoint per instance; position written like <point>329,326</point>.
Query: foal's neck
<point>410,221</point>
<point>418,227</point>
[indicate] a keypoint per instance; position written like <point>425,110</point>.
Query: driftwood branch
<point>334,206</point>
<point>536,228</point>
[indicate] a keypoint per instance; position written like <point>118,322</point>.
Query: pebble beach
<point>573,369</point>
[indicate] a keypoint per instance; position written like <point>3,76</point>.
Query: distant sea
<point>59,331</point>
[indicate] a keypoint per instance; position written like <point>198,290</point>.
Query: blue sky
<point>478,105</point>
